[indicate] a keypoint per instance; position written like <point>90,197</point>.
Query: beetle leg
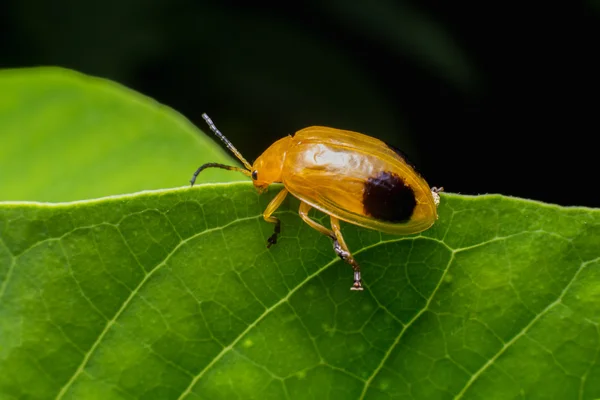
<point>341,249</point>
<point>303,211</point>
<point>274,205</point>
<point>339,246</point>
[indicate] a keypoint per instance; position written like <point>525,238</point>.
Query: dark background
<point>483,97</point>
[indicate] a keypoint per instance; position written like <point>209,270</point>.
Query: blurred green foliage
<point>67,136</point>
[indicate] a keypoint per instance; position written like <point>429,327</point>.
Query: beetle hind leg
<point>303,211</point>
<point>339,246</point>
<point>347,257</point>
<point>267,215</point>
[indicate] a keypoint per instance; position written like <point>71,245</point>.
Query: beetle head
<point>268,167</point>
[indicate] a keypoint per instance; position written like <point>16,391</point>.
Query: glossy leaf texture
<point>173,295</point>
<point>67,136</point>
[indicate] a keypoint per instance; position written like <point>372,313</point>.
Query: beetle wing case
<point>358,179</point>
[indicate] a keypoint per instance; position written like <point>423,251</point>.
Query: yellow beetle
<point>349,176</point>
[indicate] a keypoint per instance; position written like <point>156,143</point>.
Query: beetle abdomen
<point>387,197</point>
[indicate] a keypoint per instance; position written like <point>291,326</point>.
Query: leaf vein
<point>280,302</point>
<point>127,301</point>
<point>523,331</point>
<point>405,328</point>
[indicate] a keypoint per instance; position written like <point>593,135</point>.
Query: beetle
<point>347,175</point>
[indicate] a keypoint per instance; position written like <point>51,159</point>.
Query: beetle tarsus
<point>273,238</point>
<point>339,251</point>
<point>435,192</point>
<point>357,281</point>
<point>347,257</point>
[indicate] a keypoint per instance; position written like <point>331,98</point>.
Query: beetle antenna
<point>213,128</point>
<point>215,165</point>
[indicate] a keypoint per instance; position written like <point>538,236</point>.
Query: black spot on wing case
<point>386,197</point>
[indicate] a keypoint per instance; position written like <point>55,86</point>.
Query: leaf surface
<point>173,294</point>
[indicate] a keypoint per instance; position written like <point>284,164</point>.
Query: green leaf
<point>173,294</point>
<point>66,136</point>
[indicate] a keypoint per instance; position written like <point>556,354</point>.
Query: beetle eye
<point>255,175</point>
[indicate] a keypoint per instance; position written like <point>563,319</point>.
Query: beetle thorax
<point>268,167</point>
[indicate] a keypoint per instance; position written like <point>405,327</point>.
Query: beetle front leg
<point>274,205</point>
<point>273,238</point>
